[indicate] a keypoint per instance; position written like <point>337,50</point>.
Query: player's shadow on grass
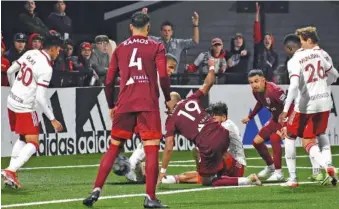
<point>16,192</point>
<point>124,183</point>
<point>306,189</point>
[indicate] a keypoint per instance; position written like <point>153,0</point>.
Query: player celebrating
<point>309,39</point>
<point>28,88</point>
<point>193,122</point>
<point>272,97</point>
<point>309,74</point>
<point>137,105</point>
<point>235,165</point>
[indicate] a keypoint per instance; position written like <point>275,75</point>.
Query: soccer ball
<point>121,165</point>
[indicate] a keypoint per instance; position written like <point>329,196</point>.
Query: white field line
<point>136,195</point>
<point>171,165</point>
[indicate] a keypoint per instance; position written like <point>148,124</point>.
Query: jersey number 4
<point>25,75</point>
<point>135,61</point>
<point>320,72</point>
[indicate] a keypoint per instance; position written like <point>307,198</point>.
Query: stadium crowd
<point>86,63</point>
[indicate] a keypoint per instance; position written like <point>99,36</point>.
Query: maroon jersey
<point>272,98</point>
<point>137,60</point>
<point>190,119</point>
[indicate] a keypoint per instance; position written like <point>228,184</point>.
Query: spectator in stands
<point>216,51</point>
<point>59,21</point>
<point>265,58</point>
<point>34,41</point>
<point>66,61</point>
<point>18,47</point>
<point>175,45</point>
<point>29,22</point>
<point>4,66</point>
<point>100,58</point>
<point>237,59</point>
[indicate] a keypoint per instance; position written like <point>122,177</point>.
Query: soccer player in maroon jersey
<point>272,97</point>
<point>190,119</point>
<point>137,59</point>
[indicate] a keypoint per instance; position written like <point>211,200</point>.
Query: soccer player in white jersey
<point>29,87</point>
<point>309,74</point>
<point>234,159</point>
<point>309,40</point>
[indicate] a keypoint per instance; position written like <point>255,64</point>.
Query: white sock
<point>317,156</point>
<point>279,171</point>
<point>315,166</point>
<point>137,156</point>
<point>26,152</point>
<point>271,167</point>
<point>16,150</point>
<point>243,181</point>
<point>290,156</point>
<point>325,147</point>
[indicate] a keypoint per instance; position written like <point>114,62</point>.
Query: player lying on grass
<point>234,160</point>
<point>272,97</point>
<point>310,76</point>
<point>28,88</point>
<point>193,122</point>
<point>310,35</point>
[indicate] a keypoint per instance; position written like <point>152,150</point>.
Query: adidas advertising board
<point>85,116</point>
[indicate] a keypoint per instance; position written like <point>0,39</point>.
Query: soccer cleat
<point>10,179</point>
<point>92,198</point>
<point>265,172</point>
<point>276,176</point>
<point>148,203</point>
<point>317,177</point>
<point>131,176</point>
<point>254,179</point>
<point>290,183</point>
<point>332,173</point>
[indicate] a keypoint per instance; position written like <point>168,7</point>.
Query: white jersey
<point>35,69</point>
<point>310,66</point>
<point>236,146</point>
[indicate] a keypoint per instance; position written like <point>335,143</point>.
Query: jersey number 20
<point>25,75</point>
<point>135,61</point>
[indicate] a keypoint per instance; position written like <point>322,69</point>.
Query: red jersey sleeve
<point>160,61</point>
<point>111,73</point>
<point>169,126</point>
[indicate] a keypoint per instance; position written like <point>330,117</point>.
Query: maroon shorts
<point>232,167</point>
<point>212,148</point>
<point>26,123</point>
<point>307,125</point>
<point>148,125</point>
<point>269,128</point>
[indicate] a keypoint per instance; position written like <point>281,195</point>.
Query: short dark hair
<point>255,72</point>
<point>166,23</point>
<point>51,39</point>
<point>140,19</point>
<point>292,39</point>
<point>219,108</point>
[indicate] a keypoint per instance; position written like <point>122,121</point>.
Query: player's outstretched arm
<point>15,67</point>
<point>166,157</point>
<point>210,78</point>
<point>160,61</point>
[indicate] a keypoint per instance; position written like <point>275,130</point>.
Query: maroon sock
<point>152,169</point>
<point>225,181</point>
<point>277,150</point>
<point>106,165</point>
<point>263,152</point>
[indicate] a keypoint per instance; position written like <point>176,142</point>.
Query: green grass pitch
<point>64,188</point>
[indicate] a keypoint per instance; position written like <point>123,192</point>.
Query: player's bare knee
<point>306,141</point>
<point>33,139</point>
<point>117,142</point>
<point>152,142</point>
<point>258,139</point>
